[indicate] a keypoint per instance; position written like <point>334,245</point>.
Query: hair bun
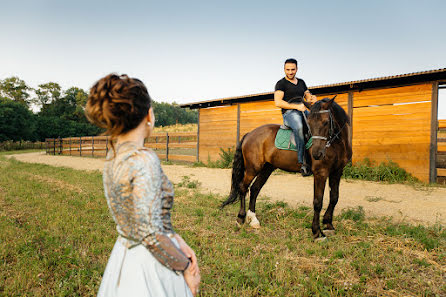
<point>117,103</point>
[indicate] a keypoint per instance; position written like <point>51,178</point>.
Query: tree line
<point>50,112</point>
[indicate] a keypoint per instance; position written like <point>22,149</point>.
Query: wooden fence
<point>441,152</point>
<point>181,146</point>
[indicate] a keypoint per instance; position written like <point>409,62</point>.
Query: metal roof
<point>385,81</point>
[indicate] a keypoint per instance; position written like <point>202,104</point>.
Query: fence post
<point>167,146</point>
<point>92,146</point>
<point>60,145</point>
<point>70,146</point>
<point>106,145</point>
<point>80,146</point>
<point>54,146</point>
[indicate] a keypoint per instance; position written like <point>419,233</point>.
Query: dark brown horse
<point>256,157</point>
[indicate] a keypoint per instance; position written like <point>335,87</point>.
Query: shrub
<point>368,170</point>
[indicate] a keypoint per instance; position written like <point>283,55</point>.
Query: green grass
<point>57,234</point>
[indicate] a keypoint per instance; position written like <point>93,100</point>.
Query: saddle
<point>285,139</point>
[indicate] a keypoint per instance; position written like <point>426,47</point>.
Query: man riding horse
<point>287,96</point>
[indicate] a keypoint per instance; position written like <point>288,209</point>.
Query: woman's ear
<point>151,117</point>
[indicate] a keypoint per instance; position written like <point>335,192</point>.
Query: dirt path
<point>405,203</point>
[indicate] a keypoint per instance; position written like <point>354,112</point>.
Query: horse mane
<point>339,113</point>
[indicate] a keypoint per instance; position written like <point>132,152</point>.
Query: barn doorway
<point>441,135</point>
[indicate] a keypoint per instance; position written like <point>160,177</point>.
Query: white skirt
<point>135,272</point>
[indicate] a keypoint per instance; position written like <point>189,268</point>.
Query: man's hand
<point>313,99</point>
<point>301,107</point>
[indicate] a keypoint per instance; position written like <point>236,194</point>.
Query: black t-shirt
<point>291,91</point>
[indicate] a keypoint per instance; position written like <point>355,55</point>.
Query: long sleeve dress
<point>145,260</point>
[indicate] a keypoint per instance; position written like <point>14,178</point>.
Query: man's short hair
<point>294,61</point>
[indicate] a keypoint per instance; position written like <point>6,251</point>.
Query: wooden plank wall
<point>256,114</point>
<point>218,129</point>
<point>394,124</point>
<point>218,125</point>
<point>388,124</point>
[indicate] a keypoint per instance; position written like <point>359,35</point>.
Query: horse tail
<point>238,173</point>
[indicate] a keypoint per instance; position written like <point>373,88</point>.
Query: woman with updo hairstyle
<point>148,258</point>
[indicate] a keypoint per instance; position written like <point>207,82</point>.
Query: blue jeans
<point>294,119</point>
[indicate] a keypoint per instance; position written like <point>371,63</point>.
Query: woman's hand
<point>192,273</point>
<point>192,280</point>
<point>189,253</point>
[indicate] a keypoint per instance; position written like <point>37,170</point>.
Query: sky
<point>189,51</point>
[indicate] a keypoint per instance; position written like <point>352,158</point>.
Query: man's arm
<point>278,100</point>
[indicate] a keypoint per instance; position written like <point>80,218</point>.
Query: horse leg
<point>334,180</point>
<point>260,181</point>
<point>319,187</point>
<point>244,186</point>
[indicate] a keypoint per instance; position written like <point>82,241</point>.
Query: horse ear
<point>307,104</point>
<point>331,100</point>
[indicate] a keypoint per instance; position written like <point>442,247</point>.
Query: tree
<point>78,98</point>
<point>17,122</point>
<point>47,93</point>
<point>170,114</point>
<point>15,89</point>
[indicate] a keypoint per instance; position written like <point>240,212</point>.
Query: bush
<point>368,170</point>
<point>20,145</point>
<point>225,161</point>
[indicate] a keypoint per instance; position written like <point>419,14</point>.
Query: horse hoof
<point>255,225</point>
<point>329,232</point>
<point>320,239</point>
<point>252,220</point>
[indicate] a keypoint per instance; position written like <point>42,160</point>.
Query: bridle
<point>332,136</point>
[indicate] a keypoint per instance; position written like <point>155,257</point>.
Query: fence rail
<point>180,146</point>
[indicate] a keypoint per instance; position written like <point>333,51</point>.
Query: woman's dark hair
<point>117,103</point>
<point>294,61</point>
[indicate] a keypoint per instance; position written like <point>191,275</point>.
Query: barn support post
<point>167,146</point>
<point>198,137</point>
<point>106,145</point>
<point>238,125</point>
<point>350,114</point>
<point>434,128</point>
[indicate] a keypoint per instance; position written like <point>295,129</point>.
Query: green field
<point>56,236</point>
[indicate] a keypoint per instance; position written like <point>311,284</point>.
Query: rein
<point>330,137</point>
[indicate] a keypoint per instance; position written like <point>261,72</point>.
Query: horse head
<point>321,124</point>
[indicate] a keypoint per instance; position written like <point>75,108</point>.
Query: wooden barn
<point>393,118</point>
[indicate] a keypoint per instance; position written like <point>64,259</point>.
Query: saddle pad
<point>283,141</point>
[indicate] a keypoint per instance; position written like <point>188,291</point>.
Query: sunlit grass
<point>57,235</point>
